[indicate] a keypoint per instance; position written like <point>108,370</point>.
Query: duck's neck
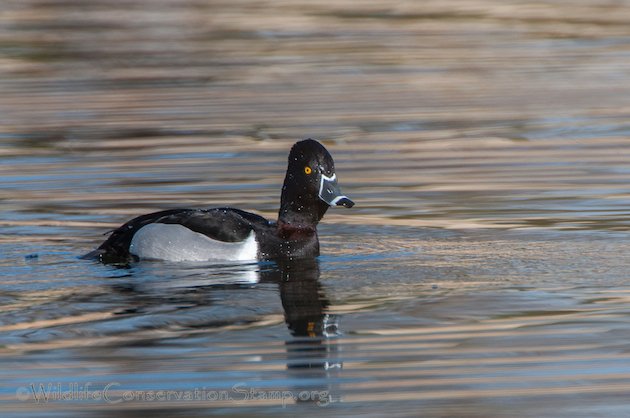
<point>291,232</point>
<point>299,213</point>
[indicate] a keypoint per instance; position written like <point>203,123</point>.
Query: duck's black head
<point>310,186</point>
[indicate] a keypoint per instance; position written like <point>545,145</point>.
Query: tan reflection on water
<point>458,114</point>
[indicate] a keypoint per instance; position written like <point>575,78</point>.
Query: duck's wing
<point>224,225</point>
<point>221,224</point>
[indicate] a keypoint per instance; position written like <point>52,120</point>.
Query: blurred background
<point>447,114</point>
<point>485,143</point>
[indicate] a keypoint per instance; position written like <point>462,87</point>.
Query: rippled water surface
<point>483,271</point>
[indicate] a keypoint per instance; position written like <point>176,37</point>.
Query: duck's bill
<point>343,201</point>
<point>330,192</point>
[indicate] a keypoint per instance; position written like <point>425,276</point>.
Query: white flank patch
<point>174,242</point>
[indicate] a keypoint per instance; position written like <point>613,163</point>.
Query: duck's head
<point>310,186</point>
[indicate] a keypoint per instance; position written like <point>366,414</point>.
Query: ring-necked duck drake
<point>310,187</point>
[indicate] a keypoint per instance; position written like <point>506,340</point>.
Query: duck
<point>229,234</point>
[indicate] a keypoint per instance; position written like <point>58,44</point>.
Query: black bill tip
<point>345,202</point>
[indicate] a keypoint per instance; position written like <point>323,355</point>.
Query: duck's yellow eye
<point>308,170</point>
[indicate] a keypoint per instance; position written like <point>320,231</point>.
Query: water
<point>483,271</point>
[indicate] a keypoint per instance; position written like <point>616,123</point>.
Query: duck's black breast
<point>227,225</point>
<point>279,241</point>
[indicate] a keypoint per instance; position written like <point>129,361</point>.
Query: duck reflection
<point>312,353</point>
